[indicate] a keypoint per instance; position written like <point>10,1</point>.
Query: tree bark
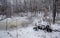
<point>54,11</point>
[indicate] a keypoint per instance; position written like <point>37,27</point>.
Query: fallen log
<point>47,28</point>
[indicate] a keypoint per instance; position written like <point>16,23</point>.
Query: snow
<point>56,26</point>
<point>27,32</point>
<point>2,17</point>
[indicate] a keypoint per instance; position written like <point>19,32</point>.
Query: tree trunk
<point>54,11</point>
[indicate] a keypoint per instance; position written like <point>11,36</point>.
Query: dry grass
<point>11,24</point>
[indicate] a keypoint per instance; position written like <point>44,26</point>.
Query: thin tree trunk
<point>54,11</point>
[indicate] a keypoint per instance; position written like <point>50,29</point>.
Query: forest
<point>29,18</point>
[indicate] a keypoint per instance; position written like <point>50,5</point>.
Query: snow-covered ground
<point>28,32</point>
<point>24,28</point>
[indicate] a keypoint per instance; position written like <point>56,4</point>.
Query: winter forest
<point>29,19</point>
